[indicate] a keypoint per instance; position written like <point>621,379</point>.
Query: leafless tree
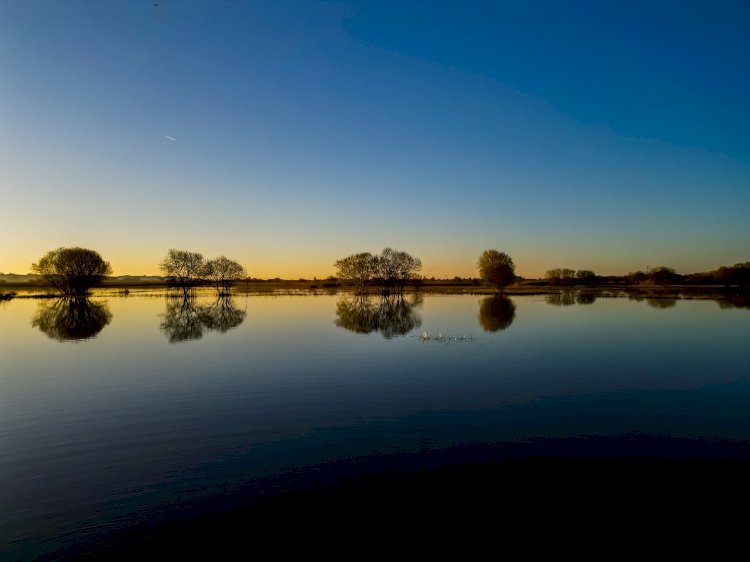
<point>223,273</point>
<point>358,268</point>
<point>396,268</point>
<point>184,269</point>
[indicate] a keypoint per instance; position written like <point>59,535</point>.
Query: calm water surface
<point>120,410</point>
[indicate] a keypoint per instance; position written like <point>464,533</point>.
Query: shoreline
<point>9,291</point>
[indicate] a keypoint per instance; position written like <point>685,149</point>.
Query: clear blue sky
<point>602,135</point>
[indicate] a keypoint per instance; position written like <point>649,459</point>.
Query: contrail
<point>168,137</point>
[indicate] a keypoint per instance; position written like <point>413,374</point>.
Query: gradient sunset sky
<point>603,135</point>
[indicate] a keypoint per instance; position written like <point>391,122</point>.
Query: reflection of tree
<point>222,315</point>
<point>661,303</point>
<point>71,318</point>
<point>181,319</point>
<point>735,302</point>
<point>389,315</point>
<point>585,298</point>
<point>563,298</point>
<point>184,319</point>
<point>496,313</point>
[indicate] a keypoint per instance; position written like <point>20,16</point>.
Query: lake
<point>122,410</point>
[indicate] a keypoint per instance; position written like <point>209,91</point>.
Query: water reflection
<point>735,302</point>
<point>568,298</point>
<point>584,297</point>
<point>564,298</point>
<point>655,301</point>
<point>390,315</point>
<point>496,313</point>
<point>69,319</point>
<point>661,303</point>
<point>184,319</point>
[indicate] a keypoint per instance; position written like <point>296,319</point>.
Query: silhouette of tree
<point>396,268</point>
<point>560,276</point>
<point>586,276</point>
<point>183,269</point>
<point>223,273</point>
<point>407,266</point>
<point>392,267</point>
<point>68,319</point>
<point>635,278</point>
<point>358,268</point>
<point>738,274</point>
<point>496,269</point>
<point>72,271</point>
<point>663,275</point>
<point>496,313</point>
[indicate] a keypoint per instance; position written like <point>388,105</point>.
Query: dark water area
<point>126,421</point>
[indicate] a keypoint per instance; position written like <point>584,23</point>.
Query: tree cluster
<point>564,276</point>
<point>738,274</point>
<point>185,319</point>
<point>391,269</point>
<point>187,269</point>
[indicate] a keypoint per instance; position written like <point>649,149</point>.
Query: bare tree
<point>560,275</point>
<point>407,267</point>
<point>586,276</point>
<point>72,271</point>
<point>223,273</point>
<point>396,268</point>
<point>183,268</point>
<point>391,266</point>
<point>358,268</point>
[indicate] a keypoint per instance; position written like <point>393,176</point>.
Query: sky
<point>610,136</point>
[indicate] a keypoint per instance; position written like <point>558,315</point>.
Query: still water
<point>120,410</point>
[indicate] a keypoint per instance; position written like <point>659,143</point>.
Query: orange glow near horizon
<point>296,265</point>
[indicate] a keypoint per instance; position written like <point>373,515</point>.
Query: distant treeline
<point>737,274</point>
<point>67,268</point>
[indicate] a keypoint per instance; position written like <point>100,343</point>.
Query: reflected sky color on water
<point>99,433</point>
